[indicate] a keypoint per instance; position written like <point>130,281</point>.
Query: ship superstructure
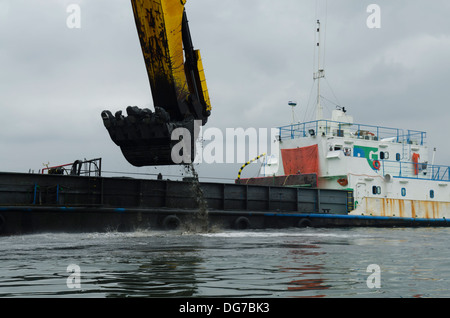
<point>387,169</point>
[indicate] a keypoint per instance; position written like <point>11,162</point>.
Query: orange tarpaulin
<point>300,160</point>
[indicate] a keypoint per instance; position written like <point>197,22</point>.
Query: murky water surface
<point>264,263</point>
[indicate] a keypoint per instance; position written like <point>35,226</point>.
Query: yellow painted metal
<point>159,25</point>
<point>247,163</point>
<point>202,78</point>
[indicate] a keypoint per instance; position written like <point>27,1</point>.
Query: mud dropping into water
<point>199,222</point>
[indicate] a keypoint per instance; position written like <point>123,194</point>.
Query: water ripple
<point>288,263</point>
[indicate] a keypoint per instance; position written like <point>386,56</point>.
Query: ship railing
<point>351,130</point>
<point>412,170</point>
<point>84,167</point>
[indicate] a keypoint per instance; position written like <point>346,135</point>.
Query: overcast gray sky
<point>257,54</point>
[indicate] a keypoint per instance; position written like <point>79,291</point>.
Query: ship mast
<point>318,75</point>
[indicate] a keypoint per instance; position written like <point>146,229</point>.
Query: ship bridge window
<point>384,155</point>
<point>376,190</point>
<point>335,147</point>
<point>347,151</point>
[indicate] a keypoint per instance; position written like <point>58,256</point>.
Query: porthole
<point>431,194</point>
<point>376,190</point>
<point>403,192</point>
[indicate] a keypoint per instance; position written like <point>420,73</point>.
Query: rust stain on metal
<point>404,208</point>
<point>413,210</point>
<point>401,208</point>
<point>435,210</point>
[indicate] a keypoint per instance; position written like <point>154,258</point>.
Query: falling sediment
<point>200,219</point>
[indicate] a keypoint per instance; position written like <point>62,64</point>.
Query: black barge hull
<point>33,203</point>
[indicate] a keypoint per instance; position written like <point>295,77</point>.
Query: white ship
<point>387,169</point>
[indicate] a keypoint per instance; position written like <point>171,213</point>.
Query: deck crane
<point>177,81</point>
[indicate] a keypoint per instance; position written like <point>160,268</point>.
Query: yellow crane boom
<point>177,82</point>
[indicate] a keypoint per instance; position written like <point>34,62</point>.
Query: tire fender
<point>171,222</point>
<point>241,223</point>
<point>304,223</point>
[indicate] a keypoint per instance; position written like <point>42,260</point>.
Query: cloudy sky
<point>257,54</point>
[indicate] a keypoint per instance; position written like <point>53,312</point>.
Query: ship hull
<point>32,203</point>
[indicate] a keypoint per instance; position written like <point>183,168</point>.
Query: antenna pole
<point>292,104</point>
<point>318,75</point>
